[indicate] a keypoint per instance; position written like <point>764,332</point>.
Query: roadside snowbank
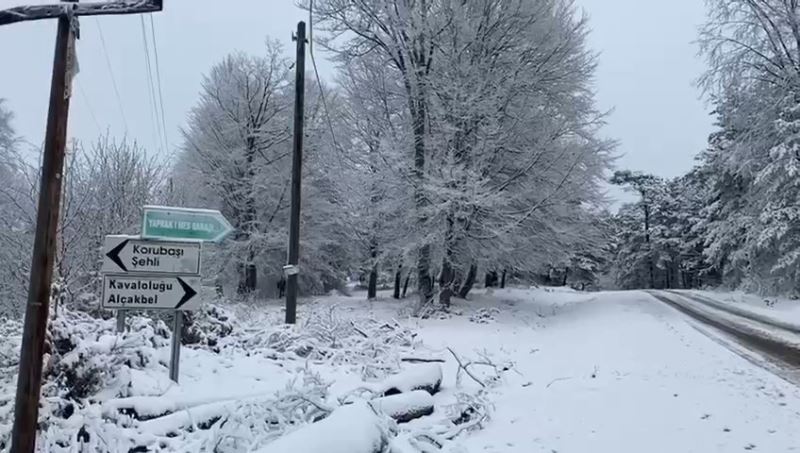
<point>784,309</point>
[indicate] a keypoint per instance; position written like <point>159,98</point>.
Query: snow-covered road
<point>621,372</point>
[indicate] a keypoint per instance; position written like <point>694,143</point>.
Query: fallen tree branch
<point>461,366</point>
<point>420,360</point>
<point>557,380</point>
<point>405,407</point>
<point>359,331</point>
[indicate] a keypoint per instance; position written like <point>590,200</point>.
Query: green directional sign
<point>204,225</point>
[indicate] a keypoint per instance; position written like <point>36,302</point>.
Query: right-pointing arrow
<point>189,292</point>
<point>113,255</point>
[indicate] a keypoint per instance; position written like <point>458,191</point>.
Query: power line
<point>316,73</point>
<point>111,73</point>
<point>158,80</point>
<point>89,107</point>
<point>151,90</point>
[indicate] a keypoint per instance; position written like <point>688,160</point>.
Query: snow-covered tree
<point>16,225</point>
<point>237,146</point>
<point>495,138</point>
<point>105,186</point>
<point>648,188</point>
<point>753,51</point>
<point>237,158</point>
<point>403,34</point>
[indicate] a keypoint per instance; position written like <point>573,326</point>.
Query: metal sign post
<point>160,270</point>
<point>175,355</point>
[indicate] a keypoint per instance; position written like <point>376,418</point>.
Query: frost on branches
<point>486,148</point>
<point>734,219</point>
<point>105,391</point>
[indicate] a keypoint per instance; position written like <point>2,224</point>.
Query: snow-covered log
<point>427,377</point>
<point>405,407</point>
<point>354,428</point>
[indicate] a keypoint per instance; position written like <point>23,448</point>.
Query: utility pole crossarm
<point>36,12</point>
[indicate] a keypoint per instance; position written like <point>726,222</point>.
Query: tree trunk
<point>405,284</point>
<point>251,279</point>
<point>647,240</point>
<point>446,277</point>
<point>503,279</point>
<point>469,281</point>
<point>372,286</point>
<point>418,110</point>
<point>406,406</point>
<point>397,276</point>
<point>248,276</point>
<point>251,271</point>
<point>491,279</point>
<point>566,274</point>
<point>248,279</point>
<point>446,283</point>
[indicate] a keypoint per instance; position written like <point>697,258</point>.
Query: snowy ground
<point>776,307</point>
<point>573,372</point>
<point>623,373</point>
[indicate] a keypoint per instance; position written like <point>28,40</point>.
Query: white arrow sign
<point>129,254</point>
<point>151,292</point>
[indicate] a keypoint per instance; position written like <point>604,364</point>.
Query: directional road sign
<point>130,254</point>
<point>150,292</point>
<point>203,225</point>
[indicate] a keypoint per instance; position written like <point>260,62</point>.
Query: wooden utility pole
<point>29,379</point>
<point>297,173</point>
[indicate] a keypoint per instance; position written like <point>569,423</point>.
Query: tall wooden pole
<point>297,173</point>
<point>29,381</point>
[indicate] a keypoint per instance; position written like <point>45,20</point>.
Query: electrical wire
<point>111,73</point>
<point>151,89</point>
<point>158,81</point>
<point>316,74</point>
<point>89,107</point>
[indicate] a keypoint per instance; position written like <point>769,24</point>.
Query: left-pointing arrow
<point>113,255</point>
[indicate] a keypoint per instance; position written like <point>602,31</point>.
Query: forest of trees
<point>734,219</point>
<point>457,140</point>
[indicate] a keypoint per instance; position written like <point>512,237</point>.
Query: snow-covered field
<point>551,370</point>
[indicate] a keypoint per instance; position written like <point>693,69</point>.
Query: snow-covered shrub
<point>250,423</point>
<point>370,347</point>
<point>205,327</point>
<point>10,339</point>
<point>484,315</point>
<point>469,412</point>
<point>93,399</point>
<point>87,354</point>
<point>85,361</point>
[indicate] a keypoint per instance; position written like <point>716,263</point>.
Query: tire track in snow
<point>747,314</point>
<point>781,357</point>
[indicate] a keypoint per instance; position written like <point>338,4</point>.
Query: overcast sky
<point>647,67</point>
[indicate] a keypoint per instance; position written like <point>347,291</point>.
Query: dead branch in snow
<point>420,360</point>
<point>557,380</point>
<point>462,366</point>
